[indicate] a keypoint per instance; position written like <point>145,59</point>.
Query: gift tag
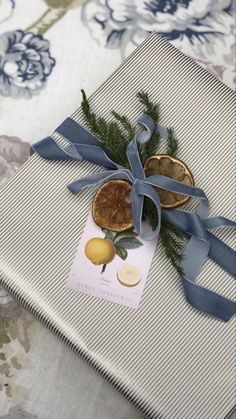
<point>111,266</point>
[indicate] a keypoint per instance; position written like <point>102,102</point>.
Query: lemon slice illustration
<point>128,275</point>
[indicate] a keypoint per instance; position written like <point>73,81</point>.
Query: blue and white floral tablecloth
<point>49,50</point>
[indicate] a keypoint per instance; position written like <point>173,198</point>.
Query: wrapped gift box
<point>169,359</point>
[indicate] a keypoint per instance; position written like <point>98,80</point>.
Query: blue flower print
<point>25,63</point>
<point>173,19</point>
<point>202,29</point>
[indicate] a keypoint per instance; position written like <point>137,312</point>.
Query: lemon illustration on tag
<point>128,275</point>
<point>100,251</point>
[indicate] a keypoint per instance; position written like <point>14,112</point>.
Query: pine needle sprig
<point>149,213</point>
<point>142,152</point>
<point>153,145</point>
<point>172,239</point>
<point>89,117</point>
<point>150,108</point>
<point>116,143</point>
<point>109,133</point>
<point>172,143</point>
<point>150,148</point>
<point>166,224</point>
<point>126,124</point>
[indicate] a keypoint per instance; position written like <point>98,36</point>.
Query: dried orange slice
<point>111,206</point>
<point>173,168</point>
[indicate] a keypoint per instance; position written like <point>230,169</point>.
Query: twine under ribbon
<point>202,243</point>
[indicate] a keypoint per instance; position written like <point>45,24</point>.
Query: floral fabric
<point>201,29</point>
<point>49,50</point>
<point>25,63</point>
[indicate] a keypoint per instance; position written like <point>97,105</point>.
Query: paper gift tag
<point>111,266</point>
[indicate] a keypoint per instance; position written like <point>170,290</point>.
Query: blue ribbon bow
<point>196,226</point>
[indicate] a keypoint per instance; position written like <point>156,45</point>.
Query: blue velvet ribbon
<point>202,243</point>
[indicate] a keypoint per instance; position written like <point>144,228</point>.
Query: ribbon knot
<point>142,186</point>
<point>196,226</point>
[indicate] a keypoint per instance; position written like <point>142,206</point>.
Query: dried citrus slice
<point>128,275</point>
<point>165,165</point>
<point>112,207</point>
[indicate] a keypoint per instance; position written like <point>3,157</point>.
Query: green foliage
<point>150,108</point>
<point>150,148</point>
<point>172,143</point>
<point>90,117</point>
<point>172,239</point>
<point>121,252</point>
<point>110,134</point>
<point>126,124</point>
<point>150,213</point>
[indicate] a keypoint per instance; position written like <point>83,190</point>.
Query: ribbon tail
<point>205,300</point>
<point>188,222</point>
<point>218,222</point>
<point>195,255</point>
<point>222,254</point>
<point>201,245</point>
<point>96,155</point>
<point>208,301</point>
<point>50,150</point>
<point>75,133</point>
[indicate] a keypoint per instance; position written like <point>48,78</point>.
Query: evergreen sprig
<point>126,124</point>
<point>150,148</point>
<point>172,143</point>
<point>150,108</point>
<point>114,136</point>
<point>109,133</point>
<point>172,239</point>
<point>153,145</point>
